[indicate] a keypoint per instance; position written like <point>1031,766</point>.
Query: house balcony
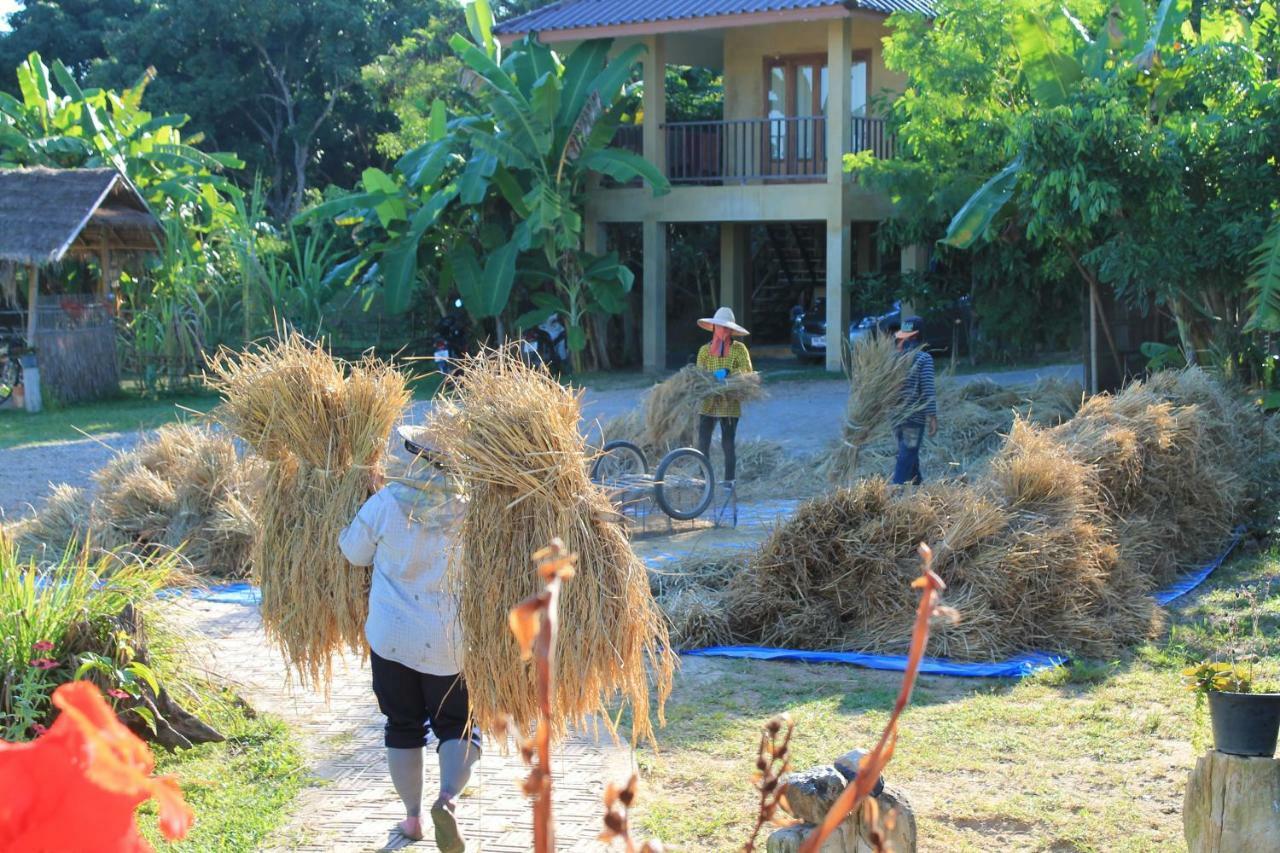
<point>755,151</point>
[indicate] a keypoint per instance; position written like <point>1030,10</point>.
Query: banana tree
<point>88,128</point>
<point>543,130</point>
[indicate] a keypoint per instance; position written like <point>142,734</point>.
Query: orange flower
<point>76,788</point>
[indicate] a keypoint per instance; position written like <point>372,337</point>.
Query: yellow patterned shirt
<point>737,361</point>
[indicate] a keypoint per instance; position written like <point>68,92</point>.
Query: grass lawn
<point>1088,757</point>
<point>127,413</point>
<point>240,790</point>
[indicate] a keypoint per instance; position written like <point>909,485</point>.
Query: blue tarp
<point>1015,667</point>
<point>231,593</point>
<point>1193,579</point>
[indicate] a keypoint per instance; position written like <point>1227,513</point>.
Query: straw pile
<point>321,426</point>
<point>511,434</point>
<point>671,407</point>
<point>1055,547</point>
<point>184,487</point>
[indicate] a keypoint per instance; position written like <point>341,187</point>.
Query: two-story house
<point>799,76</point>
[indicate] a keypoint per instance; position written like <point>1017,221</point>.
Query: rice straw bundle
<point>511,434</point>
<point>173,490</point>
<point>877,373</point>
<point>322,426</point>
<point>698,618</point>
<point>671,407</point>
<point>61,520</point>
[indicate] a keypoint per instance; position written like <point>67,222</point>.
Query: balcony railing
<point>740,151</point>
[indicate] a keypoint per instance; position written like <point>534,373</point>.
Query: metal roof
<point>585,14</point>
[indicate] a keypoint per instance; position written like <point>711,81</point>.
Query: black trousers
<point>728,430</point>
<point>416,703</point>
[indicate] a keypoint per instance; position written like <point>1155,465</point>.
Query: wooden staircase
<point>789,264</point>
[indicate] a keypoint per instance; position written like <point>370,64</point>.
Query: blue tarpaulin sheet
<point>1191,580</point>
<point>1015,667</point>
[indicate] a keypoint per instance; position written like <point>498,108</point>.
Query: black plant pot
<point>1245,723</point>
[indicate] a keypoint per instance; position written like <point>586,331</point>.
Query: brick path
<point>353,806</point>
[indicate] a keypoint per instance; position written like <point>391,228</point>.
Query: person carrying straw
<point>403,531</point>
<point>919,403</point>
<point>723,357</point>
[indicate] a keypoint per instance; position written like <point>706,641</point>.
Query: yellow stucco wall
<point>746,48</point>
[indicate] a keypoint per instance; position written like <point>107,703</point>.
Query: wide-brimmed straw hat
<point>723,317</point>
<point>418,440</point>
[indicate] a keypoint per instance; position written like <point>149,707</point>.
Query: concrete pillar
<point>654,102</point>
<point>915,259</point>
<point>654,326</point>
<point>839,230</point>
<point>593,236</point>
<point>733,270</point>
<point>839,262</point>
<point>839,103</point>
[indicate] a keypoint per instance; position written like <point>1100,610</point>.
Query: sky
<point>6,7</point>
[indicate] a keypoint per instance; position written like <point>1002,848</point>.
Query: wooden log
<point>1232,804</point>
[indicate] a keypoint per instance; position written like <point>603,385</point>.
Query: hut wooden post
<point>33,303</point>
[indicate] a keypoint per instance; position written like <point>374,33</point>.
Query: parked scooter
<point>12,346</point>
<point>451,340</point>
<point>547,344</point>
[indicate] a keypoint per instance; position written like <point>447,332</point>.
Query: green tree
<point>1146,159</point>
<point>277,80</point>
<point>73,31</point>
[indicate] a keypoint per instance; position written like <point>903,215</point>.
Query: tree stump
<point>1232,804</point>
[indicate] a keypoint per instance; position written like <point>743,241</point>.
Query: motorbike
<point>546,344</point>
<point>450,340</point>
<point>11,348</point>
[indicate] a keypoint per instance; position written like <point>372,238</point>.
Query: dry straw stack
<point>668,414</point>
<point>1055,547</point>
<point>322,428</point>
<point>183,486</point>
<point>512,434</point>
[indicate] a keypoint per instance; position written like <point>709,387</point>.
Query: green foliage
<point>58,622</point>
<point>1264,282</point>
<point>497,191</point>
<point>1216,677</point>
<point>55,123</point>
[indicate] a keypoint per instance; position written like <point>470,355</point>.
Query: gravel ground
<point>803,416</point>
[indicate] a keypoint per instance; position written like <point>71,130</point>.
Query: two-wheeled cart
<point>683,485</point>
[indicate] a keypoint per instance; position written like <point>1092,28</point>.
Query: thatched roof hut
<point>51,215</point>
<point>47,214</point>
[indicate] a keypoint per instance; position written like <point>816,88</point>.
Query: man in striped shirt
<point>919,403</point>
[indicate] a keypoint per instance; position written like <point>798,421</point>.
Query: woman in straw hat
<point>412,629</point>
<point>724,357</point>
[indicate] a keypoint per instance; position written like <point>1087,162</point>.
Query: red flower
<point>117,693</point>
<point>44,663</point>
<point>42,646</point>
<point>76,788</point>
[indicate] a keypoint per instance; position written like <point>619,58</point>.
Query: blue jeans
<point>907,468</point>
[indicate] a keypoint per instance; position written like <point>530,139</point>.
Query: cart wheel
<point>618,461</point>
<point>684,484</point>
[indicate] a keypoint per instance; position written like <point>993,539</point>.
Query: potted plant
<point>1244,722</point>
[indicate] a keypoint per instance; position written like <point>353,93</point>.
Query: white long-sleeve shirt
<point>403,532</point>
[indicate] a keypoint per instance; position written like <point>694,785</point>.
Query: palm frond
<point>1264,282</point>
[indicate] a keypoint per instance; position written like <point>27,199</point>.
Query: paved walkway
<point>353,806</point>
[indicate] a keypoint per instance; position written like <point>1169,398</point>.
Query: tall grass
<point>56,617</point>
